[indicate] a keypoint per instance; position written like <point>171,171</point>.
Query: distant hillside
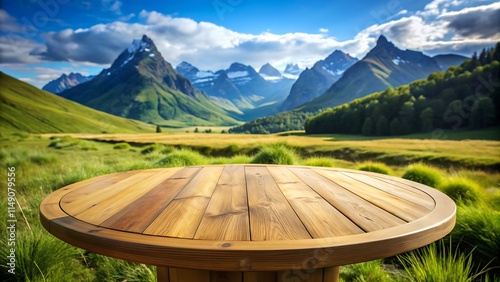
<point>449,60</point>
<point>25,108</point>
<point>316,80</point>
<point>384,66</point>
<point>65,82</point>
<point>240,88</point>
<point>141,85</point>
<point>466,96</point>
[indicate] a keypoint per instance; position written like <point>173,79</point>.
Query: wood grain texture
<point>297,217</point>
<point>182,216</point>
<point>320,218</point>
<point>136,217</point>
<point>271,216</point>
<point>360,211</point>
<point>226,217</point>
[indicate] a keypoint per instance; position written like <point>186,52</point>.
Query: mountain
<point>240,88</point>
<point>384,66</point>
<point>432,104</point>
<point>448,60</point>
<point>315,81</point>
<point>65,82</point>
<point>26,108</point>
<point>141,85</point>
<point>292,71</point>
<point>269,71</point>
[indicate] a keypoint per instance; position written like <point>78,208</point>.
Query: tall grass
<point>182,157</point>
<point>424,174</point>
<point>109,269</point>
<point>42,169</point>
<point>477,231</point>
<point>275,154</point>
<point>443,264</point>
<point>462,190</point>
<point>376,167</point>
<point>371,271</point>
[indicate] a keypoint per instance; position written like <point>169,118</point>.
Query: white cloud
<point>474,22</point>
<point>209,46</point>
<point>112,5</point>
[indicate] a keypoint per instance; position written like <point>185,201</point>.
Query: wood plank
<point>102,211</point>
<point>184,275</point>
<point>331,274</point>
<point>420,199</point>
<point>226,217</point>
<point>226,276</point>
<point>271,216</point>
<point>182,216</point>
<point>303,275</point>
<point>267,276</point>
<point>411,189</point>
<point>319,217</point>
<point>366,215</point>
<point>137,216</point>
<point>401,208</point>
<point>97,185</point>
<point>85,201</point>
<point>162,274</point>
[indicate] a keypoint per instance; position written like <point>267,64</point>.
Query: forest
<point>466,96</point>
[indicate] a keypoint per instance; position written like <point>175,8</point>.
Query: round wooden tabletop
<point>248,217</point>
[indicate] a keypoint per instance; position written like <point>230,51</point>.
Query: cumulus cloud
<point>15,49</point>
<point>210,46</point>
<point>477,22</point>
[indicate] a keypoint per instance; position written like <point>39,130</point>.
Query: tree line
<point>466,96</point>
<point>285,121</point>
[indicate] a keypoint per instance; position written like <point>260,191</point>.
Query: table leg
<point>162,274</point>
<point>331,274</point>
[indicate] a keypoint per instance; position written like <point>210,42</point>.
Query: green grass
<point>477,231</point>
<point>424,174</point>
<point>182,157</point>
<point>41,169</point>
<point>467,154</point>
<point>365,272</point>
<point>376,167</point>
<point>25,108</point>
<point>462,190</point>
<point>441,264</point>
<point>122,146</point>
<point>275,154</point>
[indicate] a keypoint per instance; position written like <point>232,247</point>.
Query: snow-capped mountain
<point>270,73</point>
<point>315,81</point>
<point>142,85</point>
<point>292,71</point>
<point>64,82</point>
<point>384,66</point>
<point>240,86</point>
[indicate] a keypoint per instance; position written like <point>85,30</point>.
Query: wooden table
<point>248,222</point>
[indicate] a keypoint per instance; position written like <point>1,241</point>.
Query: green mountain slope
<point>466,96</point>
<point>384,66</point>
<point>25,108</point>
<point>141,85</point>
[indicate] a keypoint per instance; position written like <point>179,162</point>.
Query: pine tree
<point>382,128</point>
<point>367,128</point>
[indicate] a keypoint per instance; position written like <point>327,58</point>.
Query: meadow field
<point>466,170</point>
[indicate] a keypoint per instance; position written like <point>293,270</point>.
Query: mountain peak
<point>269,70</point>
<point>382,41</point>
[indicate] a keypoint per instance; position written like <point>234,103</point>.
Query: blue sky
<point>40,40</point>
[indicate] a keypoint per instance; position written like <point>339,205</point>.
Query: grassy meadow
<point>467,170</point>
